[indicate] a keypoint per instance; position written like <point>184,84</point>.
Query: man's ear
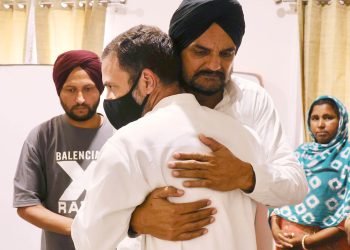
<point>149,80</point>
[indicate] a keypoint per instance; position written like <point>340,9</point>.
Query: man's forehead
<point>109,60</point>
<point>115,78</point>
<point>215,35</point>
<point>79,83</point>
<point>211,46</point>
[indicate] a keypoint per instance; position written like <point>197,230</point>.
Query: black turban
<point>66,62</point>
<point>194,17</point>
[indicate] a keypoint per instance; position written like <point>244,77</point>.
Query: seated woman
<point>318,222</point>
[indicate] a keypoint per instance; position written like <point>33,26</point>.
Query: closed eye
<point>200,52</point>
<point>228,53</point>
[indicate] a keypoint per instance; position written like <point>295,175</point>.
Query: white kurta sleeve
<point>281,179</point>
<point>116,187</point>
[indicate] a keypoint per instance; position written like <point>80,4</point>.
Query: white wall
<point>269,48</point>
<point>28,97</point>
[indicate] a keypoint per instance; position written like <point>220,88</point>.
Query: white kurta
<point>134,162</point>
<point>281,179</point>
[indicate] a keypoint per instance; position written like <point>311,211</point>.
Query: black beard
<point>88,116</point>
<point>194,87</point>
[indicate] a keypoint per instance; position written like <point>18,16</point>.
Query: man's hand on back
<point>171,221</point>
<point>220,170</point>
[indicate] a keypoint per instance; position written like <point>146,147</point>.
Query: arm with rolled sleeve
<point>115,189</point>
<point>281,180</point>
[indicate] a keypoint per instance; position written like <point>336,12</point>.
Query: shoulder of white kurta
<point>247,85</point>
<point>143,128</point>
<point>251,90</point>
<point>114,146</point>
<point>249,100</point>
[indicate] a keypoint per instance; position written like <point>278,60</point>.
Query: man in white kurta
<point>134,162</point>
<point>207,35</point>
<point>280,179</point>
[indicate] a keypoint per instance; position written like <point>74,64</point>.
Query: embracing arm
<point>43,218</point>
<point>221,170</point>
<point>279,180</point>
<point>160,218</point>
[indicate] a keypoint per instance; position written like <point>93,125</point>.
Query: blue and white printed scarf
<point>326,168</point>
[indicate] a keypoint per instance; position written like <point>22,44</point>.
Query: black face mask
<point>125,109</point>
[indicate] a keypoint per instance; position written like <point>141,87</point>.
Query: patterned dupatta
<point>327,171</point>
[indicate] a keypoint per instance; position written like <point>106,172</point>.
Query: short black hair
<point>329,101</point>
<point>143,47</point>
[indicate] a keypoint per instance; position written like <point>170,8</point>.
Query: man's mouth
<point>211,75</point>
<point>80,108</point>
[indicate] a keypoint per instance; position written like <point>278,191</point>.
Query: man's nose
<point>80,98</point>
<point>110,95</point>
<point>214,63</point>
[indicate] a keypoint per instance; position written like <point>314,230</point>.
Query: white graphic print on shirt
<point>68,202</point>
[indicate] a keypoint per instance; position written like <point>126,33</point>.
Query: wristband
<point>303,241</point>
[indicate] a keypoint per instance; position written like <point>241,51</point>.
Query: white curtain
<point>13,30</point>
<point>325,50</point>
<point>61,27</point>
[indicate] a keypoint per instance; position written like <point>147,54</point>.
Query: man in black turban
<point>207,28</point>
<point>193,18</point>
<point>207,35</point>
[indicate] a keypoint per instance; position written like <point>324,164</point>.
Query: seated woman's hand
<point>284,239</point>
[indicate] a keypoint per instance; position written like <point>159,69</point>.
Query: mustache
<point>80,106</point>
<point>218,74</point>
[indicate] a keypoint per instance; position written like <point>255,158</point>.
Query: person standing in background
<point>318,222</point>
<point>58,155</point>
